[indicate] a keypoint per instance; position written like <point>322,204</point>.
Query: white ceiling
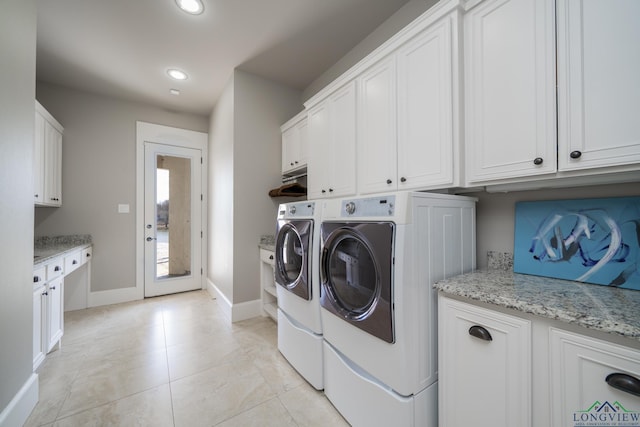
<point>122,48</point>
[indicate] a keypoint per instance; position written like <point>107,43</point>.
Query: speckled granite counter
<point>46,248</point>
<point>267,242</point>
<point>595,307</point>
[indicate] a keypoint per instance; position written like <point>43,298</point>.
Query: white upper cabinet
<point>377,128</point>
<point>294,144</point>
<point>47,159</point>
<point>510,95</point>
<point>332,145</point>
<point>598,89</point>
<point>428,119</point>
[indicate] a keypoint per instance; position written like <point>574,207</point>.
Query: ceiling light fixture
<point>194,7</point>
<point>175,92</point>
<point>177,74</point>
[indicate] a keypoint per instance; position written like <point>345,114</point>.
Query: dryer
<point>298,289</point>
<point>380,258</point>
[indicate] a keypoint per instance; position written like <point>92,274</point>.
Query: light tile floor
<point>173,361</point>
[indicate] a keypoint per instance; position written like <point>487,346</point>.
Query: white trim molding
<point>20,407</point>
<point>234,312</point>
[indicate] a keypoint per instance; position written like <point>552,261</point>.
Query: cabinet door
<point>598,90</point>
<point>303,143</point>
<point>579,370</point>
<point>510,97</point>
<point>377,128</point>
<point>38,160</point>
<point>53,166</point>
<point>55,312</point>
<point>38,351</point>
<point>319,133</point>
<point>288,148</point>
<point>427,73</point>
<point>342,153</point>
<point>484,366</point>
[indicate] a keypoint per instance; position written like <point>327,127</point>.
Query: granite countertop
<point>267,242</point>
<point>46,248</point>
<point>596,307</point>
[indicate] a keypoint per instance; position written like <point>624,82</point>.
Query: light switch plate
<point>123,208</point>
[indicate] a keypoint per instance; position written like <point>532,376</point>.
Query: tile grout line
<point>166,355</point>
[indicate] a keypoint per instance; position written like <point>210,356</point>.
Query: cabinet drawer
<point>267,256</point>
<point>585,371</point>
<point>39,276</point>
<point>72,261</point>
<point>55,268</point>
<point>86,254</point>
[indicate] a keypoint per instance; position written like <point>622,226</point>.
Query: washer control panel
<point>383,206</point>
<point>296,210</point>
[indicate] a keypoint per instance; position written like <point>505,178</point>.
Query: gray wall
<point>98,173</point>
<point>388,28</point>
<point>17,112</point>
<point>245,161</point>
<point>496,219</point>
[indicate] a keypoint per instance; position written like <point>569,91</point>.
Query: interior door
<point>172,219</point>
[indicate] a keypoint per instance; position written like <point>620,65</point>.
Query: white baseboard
<point>20,407</point>
<point>115,296</point>
<point>234,312</point>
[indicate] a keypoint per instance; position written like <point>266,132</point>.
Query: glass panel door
<point>172,219</point>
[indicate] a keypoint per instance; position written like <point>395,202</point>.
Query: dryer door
<point>292,256</point>
<point>357,263</point>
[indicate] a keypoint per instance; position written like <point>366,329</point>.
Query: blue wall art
<point>586,240</point>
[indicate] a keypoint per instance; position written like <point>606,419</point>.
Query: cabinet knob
<point>74,262</point>
<point>480,332</point>
<point>57,268</point>
<point>575,154</point>
<point>45,293</point>
<point>296,162</point>
<point>36,196</point>
<point>88,255</point>
<point>270,256</point>
<point>291,164</point>
<point>53,288</point>
<point>36,279</point>
<point>324,191</point>
<point>624,382</point>
<point>538,161</point>
<point>389,181</point>
<point>331,190</point>
<point>403,179</point>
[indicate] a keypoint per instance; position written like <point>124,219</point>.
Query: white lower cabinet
<point>268,284</point>
<point>38,347</point>
<point>500,369</point>
<point>592,381</point>
<point>55,323</point>
<point>484,367</point>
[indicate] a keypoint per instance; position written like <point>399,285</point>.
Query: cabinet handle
<point>74,262</point>
<point>36,279</point>
<point>538,161</point>
<point>331,190</point>
<point>291,164</point>
<point>403,179</point>
<point>53,288</point>
<point>296,162</point>
<point>389,181</point>
<point>57,268</point>
<point>575,154</point>
<point>45,293</point>
<point>270,256</point>
<point>480,332</point>
<point>624,382</point>
<point>323,191</point>
<point>36,196</point>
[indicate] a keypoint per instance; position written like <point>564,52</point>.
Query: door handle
<point>149,239</point>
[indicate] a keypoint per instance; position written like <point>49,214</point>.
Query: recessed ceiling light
<point>177,74</point>
<point>175,92</point>
<point>194,7</point>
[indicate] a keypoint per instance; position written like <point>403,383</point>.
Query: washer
<point>298,289</point>
<point>380,258</point>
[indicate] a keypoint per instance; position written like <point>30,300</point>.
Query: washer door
<point>292,255</point>
<point>357,262</point>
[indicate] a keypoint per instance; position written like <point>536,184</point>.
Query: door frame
<point>149,132</point>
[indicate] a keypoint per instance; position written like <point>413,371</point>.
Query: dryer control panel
<point>369,207</point>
